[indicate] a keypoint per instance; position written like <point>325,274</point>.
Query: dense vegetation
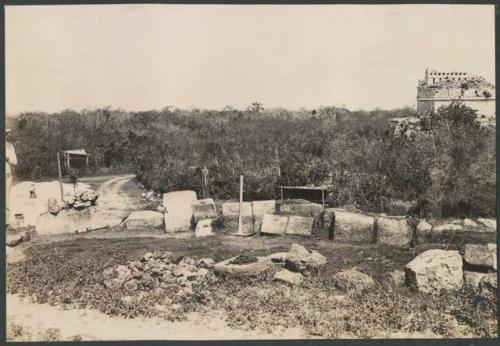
<point>446,170</point>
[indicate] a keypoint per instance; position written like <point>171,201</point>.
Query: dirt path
<point>36,319</point>
<point>112,196</point>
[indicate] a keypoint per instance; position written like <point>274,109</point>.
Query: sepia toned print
<point>232,172</point>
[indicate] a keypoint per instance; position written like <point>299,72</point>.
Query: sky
<point>141,57</point>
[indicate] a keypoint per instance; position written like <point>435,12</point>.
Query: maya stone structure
<point>440,88</point>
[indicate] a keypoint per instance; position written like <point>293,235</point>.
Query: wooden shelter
<point>75,158</point>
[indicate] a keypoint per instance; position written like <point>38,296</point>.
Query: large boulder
<point>489,283</point>
<point>230,213</point>
<point>274,224</point>
<point>481,255</point>
<point>144,219</point>
<point>352,279</point>
<point>393,231</point>
<point>299,225</point>
<point>204,209</point>
<point>354,227</point>
<point>204,228</point>
<point>302,208</point>
<point>259,208</point>
<point>434,270</point>
<point>302,260</point>
<point>179,211</point>
<point>424,228</point>
<point>289,277</point>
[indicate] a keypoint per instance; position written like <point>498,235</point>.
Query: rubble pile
<point>81,199</point>
<point>158,275</point>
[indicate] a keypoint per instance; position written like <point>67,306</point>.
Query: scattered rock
<point>424,228</point>
<point>259,208</point>
<point>434,270</point>
<point>204,209</point>
<point>144,219</point>
<point>13,239</point>
<point>122,273</point>
<point>302,260</point>
<point>131,285</point>
<point>473,279</point>
<point>489,283</point>
<point>352,279</point>
<point>206,262</point>
<point>53,206</point>
<point>397,277</point>
<point>274,224</point>
<point>483,256</point>
<point>354,227</point>
<point>179,212</point>
<point>289,277</point>
<point>393,231</point>
<point>299,225</point>
<point>204,228</point>
<point>468,223</point>
<point>490,223</point>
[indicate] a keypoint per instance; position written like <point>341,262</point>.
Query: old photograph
<point>250,172</point>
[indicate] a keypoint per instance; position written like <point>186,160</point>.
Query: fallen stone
<point>352,279</point>
<point>424,228</point>
<point>447,227</point>
<point>204,209</point>
<point>230,213</point>
<point>89,196</point>
<point>289,277</point>
<point>274,224</point>
<point>473,279</point>
<point>483,255</point>
<point>301,225</point>
<point>302,260</point>
<point>13,255</point>
<point>490,223</point>
<point>144,219</point>
<point>468,223</point>
<point>393,231</point>
<point>204,228</point>
<point>302,208</point>
<point>354,227</point>
<point>161,209</point>
<point>53,206</point>
<point>179,212</point>
<point>489,283</point>
<point>434,270</point>
<point>225,268</point>
<point>67,221</point>
<point>259,208</point>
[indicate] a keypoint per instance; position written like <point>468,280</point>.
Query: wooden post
<point>204,182</point>
<point>240,216</point>
<point>60,176</point>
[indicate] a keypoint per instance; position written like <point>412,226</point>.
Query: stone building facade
<point>440,88</point>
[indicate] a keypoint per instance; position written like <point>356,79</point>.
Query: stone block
<point>204,228</point>
<point>293,207</point>
<point>259,208</point>
<point>230,213</point>
<point>274,224</point>
<point>354,227</point>
<point>144,219</point>
<point>204,209</point>
<point>179,212</point>
<point>301,225</point>
<point>393,231</point>
<point>483,256</point>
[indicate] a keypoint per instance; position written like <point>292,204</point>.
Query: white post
<point>240,216</point>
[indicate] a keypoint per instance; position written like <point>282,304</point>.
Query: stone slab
<point>393,231</point>
<point>354,227</point>
<point>259,208</point>
<point>299,225</point>
<point>144,219</point>
<point>204,209</point>
<point>274,224</point>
